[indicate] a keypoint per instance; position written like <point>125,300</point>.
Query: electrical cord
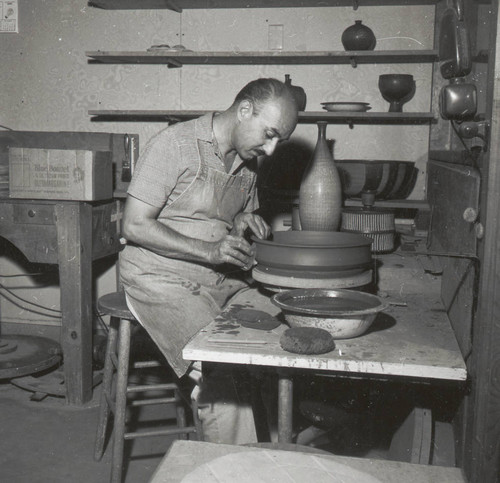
<point>101,321</point>
<point>97,314</point>
<point>28,309</point>
<point>10,292</point>
<point>16,275</point>
<point>467,149</point>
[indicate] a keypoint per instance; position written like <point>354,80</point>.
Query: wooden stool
<point>117,359</point>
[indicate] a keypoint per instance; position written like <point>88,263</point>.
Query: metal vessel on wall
<point>320,195</point>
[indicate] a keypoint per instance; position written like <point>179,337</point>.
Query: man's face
<point>258,134</point>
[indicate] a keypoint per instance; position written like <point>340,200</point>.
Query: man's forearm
<point>167,242</point>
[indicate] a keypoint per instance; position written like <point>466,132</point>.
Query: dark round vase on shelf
<point>320,195</point>
<point>298,93</point>
<point>358,37</point>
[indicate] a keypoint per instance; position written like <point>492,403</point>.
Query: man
<point>190,202</point>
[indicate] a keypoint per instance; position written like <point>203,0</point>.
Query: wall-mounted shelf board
<point>179,5</point>
<point>305,117</point>
<point>180,58</point>
<point>404,204</point>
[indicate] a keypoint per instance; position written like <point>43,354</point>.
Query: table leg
<point>74,243</point>
<point>285,406</point>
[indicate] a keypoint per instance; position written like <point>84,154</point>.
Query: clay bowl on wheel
<point>396,89</point>
<point>343,313</point>
<point>316,251</point>
<point>393,180</point>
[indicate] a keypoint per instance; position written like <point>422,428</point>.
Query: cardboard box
<point>60,174</point>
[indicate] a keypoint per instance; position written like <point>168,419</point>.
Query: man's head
<point>266,114</point>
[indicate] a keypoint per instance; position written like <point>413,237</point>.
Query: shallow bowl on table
<point>343,313</point>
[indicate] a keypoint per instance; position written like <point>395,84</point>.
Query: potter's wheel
<point>276,279</point>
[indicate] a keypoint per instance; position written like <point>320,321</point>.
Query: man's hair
<point>262,90</point>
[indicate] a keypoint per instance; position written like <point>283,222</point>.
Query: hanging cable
<point>467,149</point>
<point>10,292</point>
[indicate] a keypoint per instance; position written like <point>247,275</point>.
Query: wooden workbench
<point>71,234</point>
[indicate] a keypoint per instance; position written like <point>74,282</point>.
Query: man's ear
<point>245,110</point>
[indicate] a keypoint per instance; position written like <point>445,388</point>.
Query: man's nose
<point>270,146</point>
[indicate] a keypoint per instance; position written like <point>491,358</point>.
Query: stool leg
<point>196,418</point>
<point>181,413</point>
<point>121,400</point>
<point>104,408</point>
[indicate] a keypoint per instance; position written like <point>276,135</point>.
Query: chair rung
<point>170,386</point>
<point>143,364</point>
<point>160,432</point>
<point>151,402</point>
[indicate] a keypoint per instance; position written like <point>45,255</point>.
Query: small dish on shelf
<point>346,106</point>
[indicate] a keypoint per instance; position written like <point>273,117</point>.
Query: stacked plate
<point>346,106</point>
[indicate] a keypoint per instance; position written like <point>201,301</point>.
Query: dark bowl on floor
<point>390,180</point>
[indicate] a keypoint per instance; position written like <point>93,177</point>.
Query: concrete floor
<point>51,442</point>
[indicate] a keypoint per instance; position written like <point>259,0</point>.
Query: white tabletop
<point>415,340</point>
<point>185,456</point>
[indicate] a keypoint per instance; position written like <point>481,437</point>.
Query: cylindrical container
<point>358,37</point>
<point>375,223</point>
<point>298,93</point>
<point>320,195</point>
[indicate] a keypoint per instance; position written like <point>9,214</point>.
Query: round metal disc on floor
<point>21,355</point>
<point>275,280</point>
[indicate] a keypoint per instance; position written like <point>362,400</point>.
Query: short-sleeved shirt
<point>163,171</point>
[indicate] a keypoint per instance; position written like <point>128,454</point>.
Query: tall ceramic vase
<point>320,196</point>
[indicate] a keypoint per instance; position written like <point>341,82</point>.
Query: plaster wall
<point>47,84</point>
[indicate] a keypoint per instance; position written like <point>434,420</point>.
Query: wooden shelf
<point>180,58</point>
<point>179,5</point>
<point>422,205</point>
<point>306,117</point>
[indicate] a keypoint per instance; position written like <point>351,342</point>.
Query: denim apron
<point>173,298</point>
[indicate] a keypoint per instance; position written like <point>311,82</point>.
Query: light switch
<point>275,37</point>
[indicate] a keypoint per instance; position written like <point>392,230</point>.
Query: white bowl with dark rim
<point>344,313</point>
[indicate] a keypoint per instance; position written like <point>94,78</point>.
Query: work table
<point>413,338</point>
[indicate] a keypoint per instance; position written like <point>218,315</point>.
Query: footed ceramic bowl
<point>396,89</point>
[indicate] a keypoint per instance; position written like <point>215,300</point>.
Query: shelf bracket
<point>355,4</point>
<point>173,6</point>
<point>173,63</point>
<point>353,61</point>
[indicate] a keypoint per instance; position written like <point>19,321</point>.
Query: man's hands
<point>256,223</point>
<point>234,248</point>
